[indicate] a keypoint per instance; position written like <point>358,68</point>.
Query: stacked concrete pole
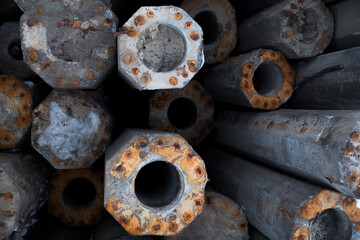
<point>282,207</point>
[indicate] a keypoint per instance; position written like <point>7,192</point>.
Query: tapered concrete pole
<point>188,112</point>
<point>260,79</point>
<point>23,180</point>
<point>217,19</point>
<point>154,182</point>
<point>282,207</point>
<point>346,24</point>
<point>76,196</point>
<point>160,48</point>
<point>320,145</point>
<point>329,81</point>
<point>298,29</point>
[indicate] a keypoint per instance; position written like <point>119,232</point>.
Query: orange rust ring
<point>327,206</point>
<point>133,162</point>
<point>265,100</point>
<point>76,196</point>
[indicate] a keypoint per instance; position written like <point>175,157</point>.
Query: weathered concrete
<point>282,207</point>
<point>110,229</point>
<point>220,219</point>
<point>188,112</point>
<point>154,182</point>
<point>252,7</point>
<point>76,196</point>
<point>16,105</point>
<point>346,24</point>
<point>320,145</point>
<point>298,29</point>
<point>329,81</point>
<point>69,44</point>
<point>22,190</point>
<point>11,61</point>
<point>160,48</point>
<point>70,129</point>
<point>260,79</point>
<point>217,19</point>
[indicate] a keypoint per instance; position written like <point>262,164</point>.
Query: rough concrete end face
<point>70,129</point>
<point>188,112</point>
<point>306,28</point>
<point>160,48</point>
<point>218,21</point>
<point>68,53</point>
<point>76,196</point>
<point>267,79</point>
<point>328,215</point>
<point>221,218</point>
<point>154,182</point>
<point>16,105</point>
<point>21,190</point>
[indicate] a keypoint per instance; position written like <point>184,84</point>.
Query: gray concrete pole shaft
<point>267,197</point>
<point>319,79</point>
<point>255,6</point>
<point>320,145</point>
<point>297,29</point>
<point>279,206</point>
<point>22,185</point>
<point>233,81</point>
<point>346,24</point>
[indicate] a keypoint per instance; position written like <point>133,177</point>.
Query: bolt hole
<point>208,22</point>
<point>14,50</point>
<point>157,184</point>
<point>79,193</point>
<point>182,113</point>
<point>331,224</point>
<point>268,79</point>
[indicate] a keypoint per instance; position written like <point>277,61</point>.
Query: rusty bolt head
<point>69,53</point>
<point>70,129</point>
<point>16,105</point>
<point>11,61</point>
<point>221,218</point>
<point>155,47</point>
<point>154,182</point>
<point>76,196</point>
<point>22,184</point>
<point>219,26</point>
<point>188,112</point>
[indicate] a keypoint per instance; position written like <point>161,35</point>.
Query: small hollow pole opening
<point>161,48</point>
<point>331,224</point>
<point>182,113</point>
<point>268,79</point>
<point>79,193</point>
<point>14,49</point>
<point>208,22</point>
<point>157,184</point>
